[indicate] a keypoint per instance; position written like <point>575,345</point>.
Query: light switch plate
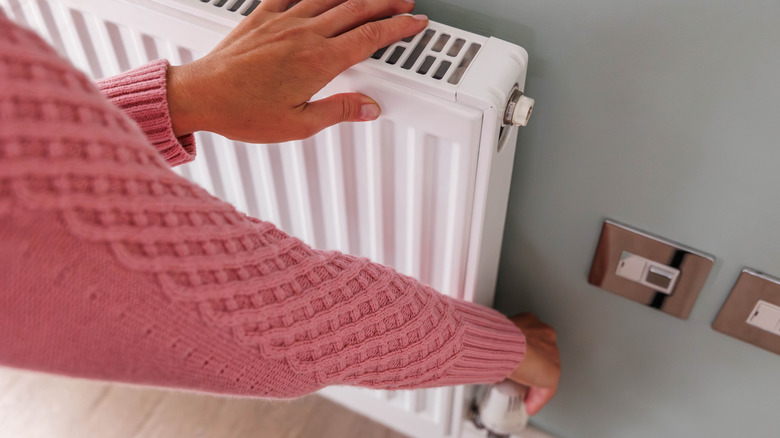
<point>743,314</point>
<point>678,299</point>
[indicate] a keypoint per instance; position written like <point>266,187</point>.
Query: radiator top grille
<point>435,54</point>
<point>433,47</point>
<point>243,7</point>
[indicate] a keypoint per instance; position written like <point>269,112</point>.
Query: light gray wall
<point>664,115</point>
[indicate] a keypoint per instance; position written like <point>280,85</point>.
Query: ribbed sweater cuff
<point>141,94</point>
<point>492,345</point>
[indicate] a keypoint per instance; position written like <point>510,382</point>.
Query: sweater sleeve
<point>116,268</point>
<point>141,94</point>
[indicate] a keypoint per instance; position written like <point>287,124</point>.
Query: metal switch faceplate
<point>649,269</point>
<point>751,313</point>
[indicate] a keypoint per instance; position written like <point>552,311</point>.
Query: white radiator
<point>424,188</point>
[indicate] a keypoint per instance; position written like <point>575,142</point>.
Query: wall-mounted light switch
<point>649,269</point>
<point>765,316</point>
<point>751,313</point>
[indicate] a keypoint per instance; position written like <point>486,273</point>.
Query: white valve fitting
<point>518,109</point>
<point>501,409</point>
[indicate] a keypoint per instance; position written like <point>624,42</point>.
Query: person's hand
<point>540,370</point>
<point>255,86</point>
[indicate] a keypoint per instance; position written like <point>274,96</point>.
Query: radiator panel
<point>400,191</point>
<point>386,190</point>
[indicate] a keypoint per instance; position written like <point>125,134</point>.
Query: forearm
<point>90,308</point>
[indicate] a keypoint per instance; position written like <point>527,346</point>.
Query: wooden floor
<point>36,405</point>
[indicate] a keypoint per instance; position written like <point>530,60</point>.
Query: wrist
<point>183,107</point>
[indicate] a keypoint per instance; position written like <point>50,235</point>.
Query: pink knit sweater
<point>113,267</point>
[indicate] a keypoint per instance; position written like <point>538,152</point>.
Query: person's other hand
<point>255,86</point>
<point>540,370</point>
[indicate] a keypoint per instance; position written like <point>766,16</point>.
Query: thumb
<point>346,107</point>
<point>536,398</point>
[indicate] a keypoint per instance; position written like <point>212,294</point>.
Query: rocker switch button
<point>659,277</point>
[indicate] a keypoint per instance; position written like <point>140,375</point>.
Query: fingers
<point>353,13</point>
<point>274,5</point>
<point>358,44</point>
<point>536,398</point>
<point>312,8</point>
<point>346,107</point>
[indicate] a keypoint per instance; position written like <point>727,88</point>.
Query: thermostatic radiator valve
<point>500,409</point>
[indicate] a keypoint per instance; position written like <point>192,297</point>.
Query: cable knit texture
<point>114,267</point>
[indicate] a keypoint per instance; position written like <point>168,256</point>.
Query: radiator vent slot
<point>244,7</point>
<point>431,54</point>
<point>396,55</point>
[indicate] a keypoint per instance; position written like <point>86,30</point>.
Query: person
<point>115,268</point>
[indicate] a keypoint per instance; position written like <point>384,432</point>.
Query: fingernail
<point>369,111</point>
<point>420,17</point>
